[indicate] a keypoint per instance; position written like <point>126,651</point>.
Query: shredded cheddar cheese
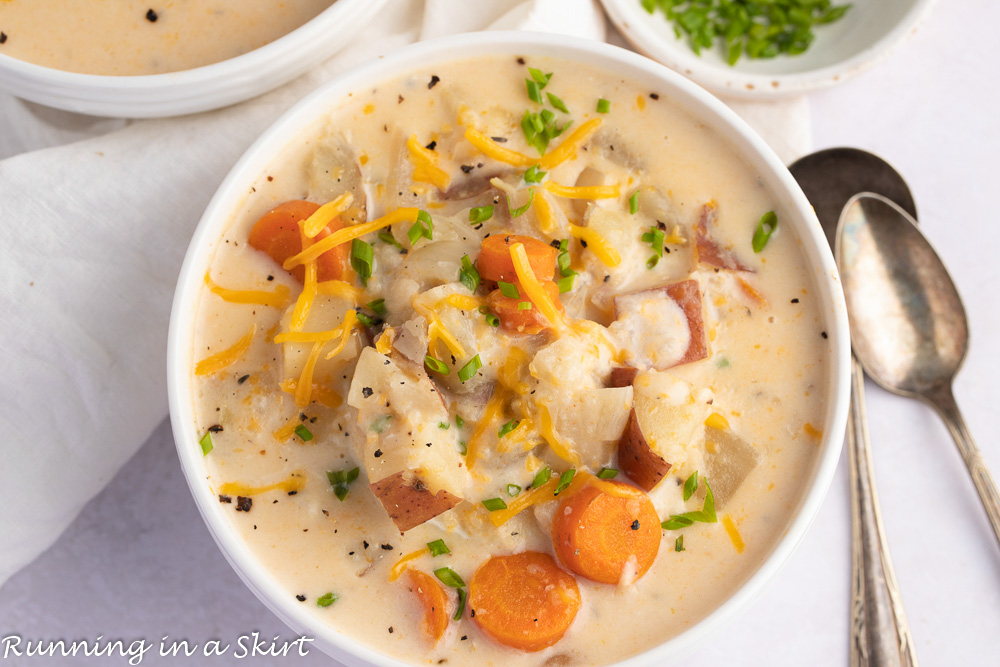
<point>494,150</point>
<point>812,431</point>
<point>548,431</point>
<point>717,421</point>
<point>584,192</point>
<point>227,357</point>
<point>285,432</point>
<point>675,237</point>
<point>325,214</point>
<point>294,482</point>
<point>734,533</point>
<point>303,388</point>
<point>324,395</point>
<point>350,318</point>
<point>597,244</point>
<point>542,494</point>
<point>493,409</point>
<point>425,167</point>
<point>279,298</point>
<point>464,301</point>
<point>437,331</point>
<point>384,343</point>
<point>403,563</point>
<point>341,289</point>
<point>308,294</point>
<point>567,149</point>
<point>347,234</point>
<point>533,289</point>
<point>509,374</point>
<point>543,211</point>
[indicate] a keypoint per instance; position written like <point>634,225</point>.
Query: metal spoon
<point>880,634</point>
<point>908,325</point>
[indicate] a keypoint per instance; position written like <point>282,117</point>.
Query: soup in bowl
<point>508,349</point>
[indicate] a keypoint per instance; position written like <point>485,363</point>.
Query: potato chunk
<point>662,327</point>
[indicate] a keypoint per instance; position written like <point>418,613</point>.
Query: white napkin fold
<point>93,236</point>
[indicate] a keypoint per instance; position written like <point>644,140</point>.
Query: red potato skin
<point>708,248</point>
<point>409,505</point>
<point>687,295</point>
<point>635,457</point>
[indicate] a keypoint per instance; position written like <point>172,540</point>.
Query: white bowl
<point>310,114</point>
<point>199,89</point>
<point>869,31</point>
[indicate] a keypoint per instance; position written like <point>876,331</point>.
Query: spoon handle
<point>944,401</point>
<point>880,635</point>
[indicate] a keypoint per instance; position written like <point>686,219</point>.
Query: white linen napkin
<point>96,215</point>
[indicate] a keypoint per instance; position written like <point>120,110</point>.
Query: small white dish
<point>310,115</point>
<point>869,31</point>
<point>199,89</point>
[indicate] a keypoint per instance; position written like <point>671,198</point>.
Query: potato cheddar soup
<point>509,362</point>
<point>122,37</point>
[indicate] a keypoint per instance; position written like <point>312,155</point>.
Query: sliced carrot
<point>494,261</point>
<point>515,318</point>
<point>597,534</point>
<point>433,599</point>
<point>524,600</point>
<point>277,234</point>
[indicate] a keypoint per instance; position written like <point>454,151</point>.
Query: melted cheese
<point>584,192</point>
<point>567,149</point>
<point>533,289</point>
<point>227,357</point>
<point>277,299</point>
<point>597,244</point>
<point>403,564</point>
<point>325,214</point>
<point>341,236</point>
<point>425,167</point>
<point>493,409</point>
<point>292,484</point>
<point>494,150</point>
<point>321,393</point>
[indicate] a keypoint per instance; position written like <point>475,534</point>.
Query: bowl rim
<point>202,88</point>
<point>746,85</point>
<point>291,126</point>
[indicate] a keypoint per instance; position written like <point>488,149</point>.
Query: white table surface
<point>139,563</point>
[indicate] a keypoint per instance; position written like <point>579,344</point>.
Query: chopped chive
<point>422,228</point>
<point>494,504</point>
<point>492,320</point>
<point>386,236</point>
<point>679,543</point>
<point>541,78</point>
<point>303,432</point>
<point>534,90</point>
<point>722,363</point>
<point>436,365</point>
<point>603,106</point>
<point>513,490</point>
<point>676,522</point>
<point>438,548</point>
<point>449,577</point>
<point>206,443</point>
<point>326,600</point>
<point>463,449</point>
<point>690,485</point>
<point>462,595</point>
<point>377,306</point>
<point>652,262</point>
<point>654,237</point>
<point>556,102</point>
<point>340,480</point>
<point>468,275</point>
<point>518,212</point>
<point>541,477</point>
<point>444,425</point>
<point>509,290</point>
<point>705,515</point>
<point>480,214</point>
<point>534,174</point>
<point>633,203</point>
<point>507,428</point>
<point>459,422</point>
<point>365,319</point>
<point>378,425</point>
<point>469,370</point>
<point>607,473</point>
<point>766,226</point>
<point>564,481</point>
<point>566,284</point>
<point>361,259</point>
<point>524,305</point>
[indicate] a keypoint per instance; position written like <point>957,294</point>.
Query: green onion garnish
<point>463,449</point>
<point>459,422</point>
<point>377,306</point>
<point>509,290</point>
<point>766,226</point>
<point>340,480</point>
<point>361,259</point>
<point>541,78</point>
<point>633,203</point>
<point>524,305</point>
<point>469,370</point>
<point>494,504</point>
<point>480,214</point>
<point>449,577</point>
<point>603,106</point>
<point>513,490</point>
<point>534,90</point>
<point>422,228</point>
<point>518,212</point>
<point>690,485</point>
<point>438,548</point>
<point>468,275</point>
<point>436,365</point>
<point>541,477</point>
<point>378,425</point>
<point>461,604</point>
<point>652,262</point>
<point>607,473</point>
<point>507,428</point>
<point>444,425</point>
<point>386,237</point>
<point>722,363</point>
<point>534,174</point>
<point>705,515</point>
<point>326,600</point>
<point>566,284</point>
<point>206,443</point>
<point>303,432</point>
<point>365,319</point>
<point>679,543</point>
<point>677,522</point>
<point>557,103</point>
<point>654,237</point>
<point>541,128</point>
<point>492,320</point>
<point>564,481</point>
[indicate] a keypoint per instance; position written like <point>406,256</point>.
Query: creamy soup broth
<point>764,375</point>
<point>121,37</point>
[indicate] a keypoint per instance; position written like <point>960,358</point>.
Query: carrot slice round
<point>524,601</point>
<point>494,261</point>
<point>598,535</point>
<point>514,319</point>
<point>277,234</point>
<point>434,601</point>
